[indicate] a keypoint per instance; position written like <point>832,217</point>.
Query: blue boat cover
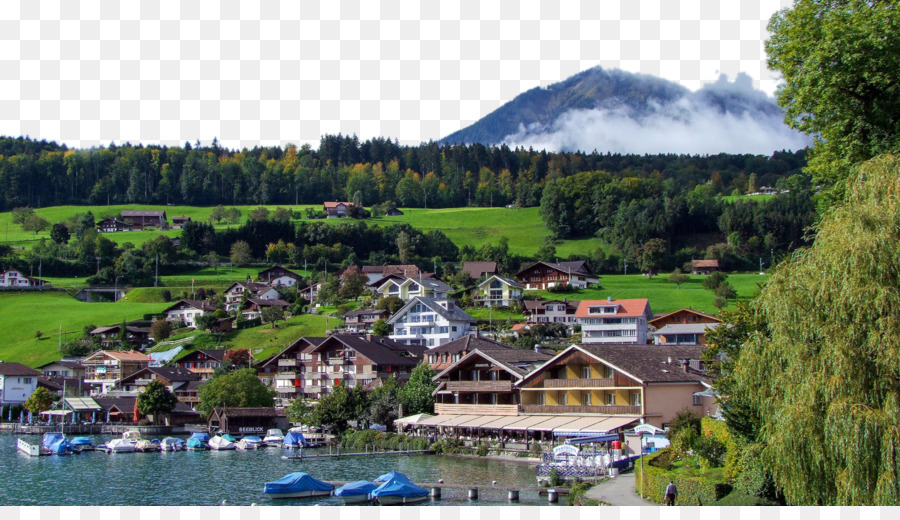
<point>253,438</point>
<point>195,442</point>
<point>50,439</point>
<point>399,488</point>
<point>294,439</point>
<point>229,438</point>
<point>172,440</point>
<point>61,446</point>
<point>394,475</point>
<point>296,483</point>
<point>202,436</point>
<point>82,441</point>
<point>353,489</point>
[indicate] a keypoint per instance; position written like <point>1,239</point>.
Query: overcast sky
<point>96,71</point>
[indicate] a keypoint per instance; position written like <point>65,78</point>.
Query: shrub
<point>684,440</point>
<point>554,478</point>
<point>692,489</point>
<point>686,418</point>
<point>576,494</point>
<point>535,450</point>
<point>483,449</point>
<point>710,450</point>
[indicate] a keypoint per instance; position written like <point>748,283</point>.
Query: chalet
<point>140,219</point>
<point>238,291</point>
<point>15,278</point>
<point>279,276</point>
<point>179,222</point>
<point>17,382</point>
<point>118,409</point>
<point>107,367</point>
<point>377,272</point>
<point>356,322</point>
<point>544,275</point>
<point>253,308</point>
<point>483,382</point>
<point>498,291</point>
<point>336,209</point>
<point>351,360</point>
<point>202,362</point>
<point>62,369</point>
<point>409,288</point>
<point>294,371</point>
<point>247,421</point>
<point>177,380</point>
<point>619,385</point>
<point>112,225</point>
<point>430,323</point>
<point>477,270</point>
<point>449,353</point>
<point>311,293</point>
<point>614,321</point>
<point>704,266</point>
<point>554,311</point>
<point>184,312</point>
<point>683,327</point>
<point>137,337</point>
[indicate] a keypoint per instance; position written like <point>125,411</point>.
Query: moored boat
<point>119,446</point>
<point>82,444</point>
<point>171,444</point>
<point>393,475</point>
<point>132,436</point>
<point>293,440</point>
<point>195,444</point>
<point>297,485</point>
<point>219,443</point>
<point>56,444</point>
<point>250,442</point>
<point>274,437</point>
<point>399,491</point>
<point>355,492</point>
<point>144,445</point>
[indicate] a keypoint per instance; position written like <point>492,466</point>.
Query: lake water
<point>205,478</point>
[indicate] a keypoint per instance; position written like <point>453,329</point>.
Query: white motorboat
<point>131,436</point>
<point>251,442</point>
<point>274,437</point>
<point>119,446</point>
<point>144,445</point>
<point>218,443</point>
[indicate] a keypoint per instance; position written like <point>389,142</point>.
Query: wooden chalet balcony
<point>561,408</point>
<point>579,383</point>
<point>287,362</point>
<point>479,386</point>
<point>476,409</point>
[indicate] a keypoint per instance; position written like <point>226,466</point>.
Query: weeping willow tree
<point>823,377</point>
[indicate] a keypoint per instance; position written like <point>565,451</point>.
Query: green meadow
<point>464,226</point>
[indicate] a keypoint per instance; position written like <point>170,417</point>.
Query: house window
<point>540,398</point>
<point>585,372</point>
<point>563,398</point>
<point>586,398</point>
<point>607,372</point>
<point>26,381</point>
<point>698,400</point>
<point>636,399</point>
<point>611,399</point>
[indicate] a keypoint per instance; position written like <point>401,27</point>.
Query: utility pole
<point>626,266</point>
<point>156,277</point>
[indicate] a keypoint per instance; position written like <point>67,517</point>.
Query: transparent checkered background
<point>250,73</point>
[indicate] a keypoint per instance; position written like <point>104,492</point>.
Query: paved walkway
<point>618,491</point>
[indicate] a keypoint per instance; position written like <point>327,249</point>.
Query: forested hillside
<point>41,174</point>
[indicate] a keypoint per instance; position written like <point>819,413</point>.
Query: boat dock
<point>338,454</point>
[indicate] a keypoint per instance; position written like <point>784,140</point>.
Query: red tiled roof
<point>627,308</point>
<point>705,263</point>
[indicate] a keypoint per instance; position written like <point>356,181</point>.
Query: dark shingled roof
<point>68,364</point>
<point>381,350</point>
<point>305,344</point>
<point>477,269</point>
<point>468,343</point>
<point>8,368</point>
<point>650,363</point>
<point>538,304</point>
<point>217,353</point>
<point>518,360</point>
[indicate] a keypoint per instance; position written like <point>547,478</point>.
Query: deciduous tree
<point>241,388</point>
<point>155,400</point>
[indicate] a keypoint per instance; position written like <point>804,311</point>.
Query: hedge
<point>375,440</point>
<point>692,490</point>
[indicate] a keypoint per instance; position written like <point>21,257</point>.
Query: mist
<point>723,117</point>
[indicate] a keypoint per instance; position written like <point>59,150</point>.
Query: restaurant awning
<point>553,423</point>
<point>436,420</point>
<point>56,413</point>
<point>577,425</point>
<point>498,422</point>
<point>414,419</point>
<point>458,420</point>
<point>527,421</point>
<point>83,404</point>
<point>608,424</point>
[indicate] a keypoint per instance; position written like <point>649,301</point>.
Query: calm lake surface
<point>205,478</point>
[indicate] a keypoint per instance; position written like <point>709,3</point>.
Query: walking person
<point>671,493</point>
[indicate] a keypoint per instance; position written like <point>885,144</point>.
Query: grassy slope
<point>24,313</point>
<point>663,296</point>
<point>472,226</point>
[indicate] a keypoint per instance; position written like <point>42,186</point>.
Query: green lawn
<point>663,296</point>
<point>25,313</point>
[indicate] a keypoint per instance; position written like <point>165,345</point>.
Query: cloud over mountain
<point>632,113</point>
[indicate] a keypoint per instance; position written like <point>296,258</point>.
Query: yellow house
<point>652,383</point>
<point>498,291</point>
<point>408,288</point>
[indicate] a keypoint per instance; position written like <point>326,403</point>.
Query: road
<point>618,491</point>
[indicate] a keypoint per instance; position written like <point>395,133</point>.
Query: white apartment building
<point>429,323</point>
<point>614,321</point>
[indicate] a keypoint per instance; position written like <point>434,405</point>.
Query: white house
<point>498,291</point>
<point>429,322</point>
<point>15,278</point>
<point>408,288</point>
<point>17,382</point>
<point>552,311</point>
<point>256,290</point>
<point>279,277</point>
<point>614,321</point>
<point>186,311</point>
